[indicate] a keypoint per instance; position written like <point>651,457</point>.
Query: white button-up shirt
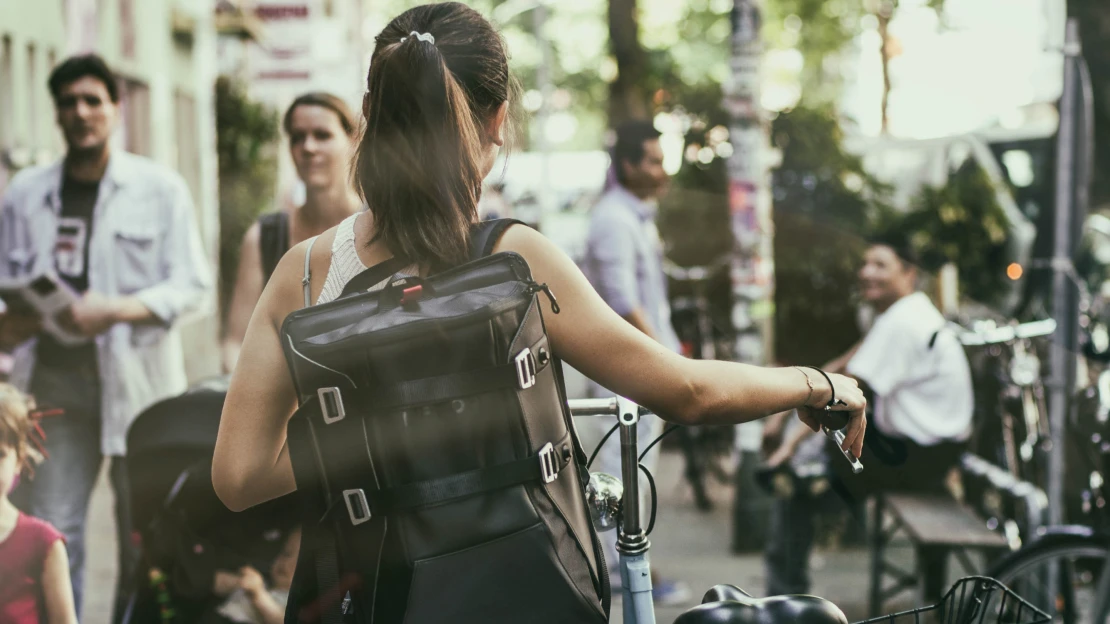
<point>145,243</point>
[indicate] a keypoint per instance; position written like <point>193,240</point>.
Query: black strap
<point>372,276</point>
<point>483,237</point>
<point>435,491</point>
<point>327,579</point>
<point>273,241</point>
<point>485,234</point>
<point>441,388</point>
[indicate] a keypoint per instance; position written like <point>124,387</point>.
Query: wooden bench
<point>936,525</point>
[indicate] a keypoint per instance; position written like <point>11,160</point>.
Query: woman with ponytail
<point>436,113</point>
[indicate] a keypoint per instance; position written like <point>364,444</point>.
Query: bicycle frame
<point>632,542</point>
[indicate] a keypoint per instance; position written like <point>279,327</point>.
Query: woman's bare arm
<point>244,296</point>
<point>597,342</point>
<point>251,464</point>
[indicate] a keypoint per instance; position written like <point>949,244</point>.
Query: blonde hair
<point>16,422</point>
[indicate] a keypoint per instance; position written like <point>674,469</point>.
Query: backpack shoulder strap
<point>483,237</point>
<point>485,234</point>
<point>273,241</point>
<point>306,281</point>
<point>371,276</point>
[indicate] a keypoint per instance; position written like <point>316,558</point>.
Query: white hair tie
<point>421,36</point>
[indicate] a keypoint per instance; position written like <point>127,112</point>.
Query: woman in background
<point>321,132</point>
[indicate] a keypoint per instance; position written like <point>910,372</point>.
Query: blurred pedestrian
<point>921,382</point>
<point>321,131</point>
<point>120,231</point>
<point>624,262</point>
<point>34,576</point>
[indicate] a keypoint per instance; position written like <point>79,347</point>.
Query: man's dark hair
<point>629,146</point>
<point>76,67</point>
<point>900,243</point>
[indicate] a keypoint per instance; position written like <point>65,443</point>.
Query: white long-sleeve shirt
<point>145,243</point>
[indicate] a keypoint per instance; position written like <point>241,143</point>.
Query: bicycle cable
<point>647,473</point>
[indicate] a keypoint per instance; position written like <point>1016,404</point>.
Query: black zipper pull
<point>535,288</point>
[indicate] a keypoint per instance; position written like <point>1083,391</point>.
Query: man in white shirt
<point>920,383</point>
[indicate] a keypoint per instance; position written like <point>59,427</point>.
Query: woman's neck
<point>325,207</point>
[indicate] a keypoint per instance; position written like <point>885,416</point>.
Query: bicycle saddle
<point>728,604</point>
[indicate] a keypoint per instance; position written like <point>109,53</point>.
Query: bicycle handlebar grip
<point>830,419</point>
<point>728,604</point>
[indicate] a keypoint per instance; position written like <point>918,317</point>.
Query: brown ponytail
<point>419,163</point>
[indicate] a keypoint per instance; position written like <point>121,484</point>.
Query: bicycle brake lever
<point>838,436</point>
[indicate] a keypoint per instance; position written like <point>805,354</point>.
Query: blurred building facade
<point>280,49</point>
<point>165,55</point>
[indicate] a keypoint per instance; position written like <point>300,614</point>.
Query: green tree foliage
<point>962,223</point>
<point>246,136</point>
<point>824,203</point>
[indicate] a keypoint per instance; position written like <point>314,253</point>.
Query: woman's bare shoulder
<point>285,291</point>
<point>525,241</point>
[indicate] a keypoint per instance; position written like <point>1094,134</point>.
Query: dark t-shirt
<point>71,261</point>
<point>71,251</point>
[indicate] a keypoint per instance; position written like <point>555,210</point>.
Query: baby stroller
<point>186,533</point>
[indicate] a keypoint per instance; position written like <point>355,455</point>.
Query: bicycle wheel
<point>1060,574</point>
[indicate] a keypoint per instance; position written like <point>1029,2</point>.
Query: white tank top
<point>345,264</point>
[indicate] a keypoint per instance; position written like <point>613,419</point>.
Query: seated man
<point>920,382</point>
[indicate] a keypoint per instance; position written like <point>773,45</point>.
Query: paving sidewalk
<point>686,545</point>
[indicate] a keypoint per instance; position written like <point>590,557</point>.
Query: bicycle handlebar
<point>599,407</point>
<point>1004,334</point>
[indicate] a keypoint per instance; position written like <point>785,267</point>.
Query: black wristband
<point>832,388</point>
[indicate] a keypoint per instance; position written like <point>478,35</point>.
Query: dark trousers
<point>890,465</point>
<point>62,485</point>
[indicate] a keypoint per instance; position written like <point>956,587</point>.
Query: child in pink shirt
<point>34,568</point>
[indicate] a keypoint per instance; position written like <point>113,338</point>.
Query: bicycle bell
<point>604,494</point>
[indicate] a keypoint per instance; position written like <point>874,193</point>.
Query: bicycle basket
<point>973,600</point>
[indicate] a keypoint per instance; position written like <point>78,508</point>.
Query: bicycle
<point>616,506</point>
<point>1014,433</point>
<point>1067,567</point>
<point>1020,399</point>
<point>704,449</point>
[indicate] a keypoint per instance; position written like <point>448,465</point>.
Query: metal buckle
<point>525,369</point>
<point>331,404</point>
<point>549,469</point>
<point>358,509</point>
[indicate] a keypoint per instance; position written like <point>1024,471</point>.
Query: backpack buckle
<point>358,509</point>
<point>549,469</point>
<point>525,369</point>
<point>331,404</point>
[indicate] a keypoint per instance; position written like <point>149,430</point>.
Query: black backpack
<point>435,455</point>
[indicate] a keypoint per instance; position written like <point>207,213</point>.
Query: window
<point>188,148</point>
<point>7,101</point>
<point>135,108</point>
<point>32,96</point>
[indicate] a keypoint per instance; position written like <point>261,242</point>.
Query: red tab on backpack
<point>412,294</point>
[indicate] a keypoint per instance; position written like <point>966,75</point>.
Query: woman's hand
<point>848,412</point>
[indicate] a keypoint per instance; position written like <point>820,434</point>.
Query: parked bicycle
<point>705,450</point>
<point>1011,430</point>
<point>1066,570</point>
<point>615,505</point>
